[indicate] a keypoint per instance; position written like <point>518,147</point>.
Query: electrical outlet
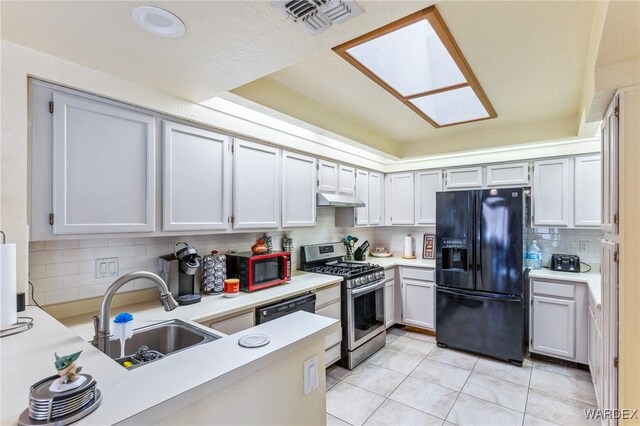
<point>310,375</point>
<point>107,267</point>
<point>583,247</point>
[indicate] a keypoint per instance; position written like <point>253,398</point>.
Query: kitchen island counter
<point>182,380</point>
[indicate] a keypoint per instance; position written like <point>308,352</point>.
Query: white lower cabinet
<point>234,323</point>
<point>596,353</point>
<point>558,319</point>
<point>418,297</point>
<point>328,304</point>
<point>389,303</point>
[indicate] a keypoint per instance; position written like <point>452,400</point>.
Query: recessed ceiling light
<point>417,60</point>
<point>158,21</point>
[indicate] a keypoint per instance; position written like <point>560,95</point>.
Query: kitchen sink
<point>162,339</point>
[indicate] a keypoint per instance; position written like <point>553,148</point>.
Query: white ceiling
<point>529,57</point>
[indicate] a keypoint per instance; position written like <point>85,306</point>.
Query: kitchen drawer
<point>235,324</point>
<point>554,289</point>
<point>422,274</point>
<point>327,294</point>
<point>331,355</point>
<point>390,273</point>
<point>331,311</point>
<point>333,339</point>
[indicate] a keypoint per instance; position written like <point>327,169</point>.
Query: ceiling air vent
<point>315,16</point>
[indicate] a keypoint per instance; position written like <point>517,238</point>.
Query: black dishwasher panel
<point>306,302</point>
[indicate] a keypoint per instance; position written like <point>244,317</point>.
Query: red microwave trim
<point>286,256</point>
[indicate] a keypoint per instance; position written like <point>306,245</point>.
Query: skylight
<point>417,61</point>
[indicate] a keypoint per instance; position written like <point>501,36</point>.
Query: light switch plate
<point>107,267</point>
<point>310,375</point>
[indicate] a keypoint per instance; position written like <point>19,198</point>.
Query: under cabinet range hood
<point>338,200</point>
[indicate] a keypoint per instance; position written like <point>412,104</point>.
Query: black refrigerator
<point>479,275</point>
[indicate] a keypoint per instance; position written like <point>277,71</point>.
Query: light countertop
<point>390,262</point>
<point>591,279</point>
<point>28,357</point>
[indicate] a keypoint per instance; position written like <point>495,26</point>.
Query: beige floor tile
<point>420,336</point>
<point>412,346</point>
<point>504,371</point>
<point>528,362</point>
<point>392,413</point>
<point>334,421</point>
<point>452,357</point>
<point>473,411</point>
<point>557,409</point>
<point>565,386</point>
<point>497,391</point>
<point>395,360</point>
<point>534,421</point>
<point>561,369</point>
<point>331,381</point>
<point>338,372</point>
<point>376,379</point>
<point>441,374</point>
<point>390,338</point>
<point>351,403</point>
<point>424,396</point>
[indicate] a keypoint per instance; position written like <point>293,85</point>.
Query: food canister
<point>231,287</point>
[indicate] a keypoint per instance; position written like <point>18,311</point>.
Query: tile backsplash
<point>64,270</point>
<point>567,241</point>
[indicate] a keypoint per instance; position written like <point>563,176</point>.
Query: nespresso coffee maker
<point>182,271</point>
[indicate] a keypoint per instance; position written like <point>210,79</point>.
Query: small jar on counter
<point>231,287</point>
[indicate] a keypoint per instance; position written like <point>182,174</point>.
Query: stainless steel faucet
<point>101,322</point>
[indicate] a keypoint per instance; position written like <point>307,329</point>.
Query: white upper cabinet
<point>346,180</point>
<point>376,198</point>
<point>609,169</point>
<point>427,184</point>
<point>399,199</point>
<point>256,186</point>
<point>196,179</point>
<point>362,192</point>
<point>467,177</point>
<point>511,174</point>
<point>103,167</point>
<point>298,190</point>
<point>552,192</point>
<point>586,191</point>
<point>327,176</point>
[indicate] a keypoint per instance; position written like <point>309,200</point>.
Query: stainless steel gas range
<point>362,312</point>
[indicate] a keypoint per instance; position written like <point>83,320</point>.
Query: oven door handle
<point>368,288</point>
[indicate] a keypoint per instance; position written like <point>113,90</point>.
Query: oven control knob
<point>379,274</point>
<point>356,281</point>
<point>370,277</point>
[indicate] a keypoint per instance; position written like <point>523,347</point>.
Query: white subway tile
<point>37,245</point>
<point>131,251</point>
<point>46,284</point>
<point>37,271</point>
<point>103,252</point>
<point>77,280</point>
<point>74,255</point>
<point>121,242</point>
<point>40,298</point>
<point>93,243</point>
<point>44,257</point>
<point>126,262</point>
<point>60,296</point>
<point>94,290</point>
<point>159,249</point>
<point>147,240</point>
<point>86,266</point>
<point>59,269</point>
<point>61,244</point>
<point>142,284</point>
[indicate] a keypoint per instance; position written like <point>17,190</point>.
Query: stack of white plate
<point>61,408</point>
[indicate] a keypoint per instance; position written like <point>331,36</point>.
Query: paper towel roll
<point>408,247</point>
<point>8,283</point>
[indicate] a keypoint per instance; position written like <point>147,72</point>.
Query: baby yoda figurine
<point>67,368</point>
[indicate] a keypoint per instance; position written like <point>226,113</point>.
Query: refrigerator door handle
<point>477,295</point>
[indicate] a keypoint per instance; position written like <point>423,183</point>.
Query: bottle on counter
<point>534,255</point>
